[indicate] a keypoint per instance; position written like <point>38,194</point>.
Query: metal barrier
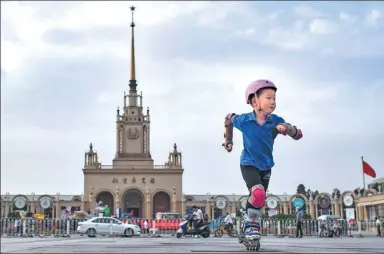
<point>28,227</point>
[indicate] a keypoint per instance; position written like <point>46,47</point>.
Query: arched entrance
<point>133,201</point>
<point>161,203</point>
<point>107,198</point>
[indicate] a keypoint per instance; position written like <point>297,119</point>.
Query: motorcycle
<point>186,230</point>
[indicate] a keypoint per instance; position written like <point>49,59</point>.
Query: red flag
<point>368,170</point>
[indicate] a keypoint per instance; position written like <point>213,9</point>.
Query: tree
<point>301,189</point>
<point>308,193</point>
<point>315,193</point>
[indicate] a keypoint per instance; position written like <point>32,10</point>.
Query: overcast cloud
<point>65,65</point>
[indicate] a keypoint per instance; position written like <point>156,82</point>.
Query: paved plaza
<point>78,244</point>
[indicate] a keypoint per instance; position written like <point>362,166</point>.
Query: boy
<point>259,129</point>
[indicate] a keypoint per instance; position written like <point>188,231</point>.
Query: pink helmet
<point>256,86</point>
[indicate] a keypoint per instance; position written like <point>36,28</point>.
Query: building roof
<point>378,180</point>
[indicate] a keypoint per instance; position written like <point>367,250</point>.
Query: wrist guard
<point>293,131</point>
<point>228,132</point>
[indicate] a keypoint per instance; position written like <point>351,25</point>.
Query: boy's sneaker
<point>252,230</point>
<point>251,225</point>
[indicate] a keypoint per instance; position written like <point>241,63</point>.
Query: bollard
<point>68,228</point>
<point>110,229</point>
<point>24,227</point>
<point>279,235</point>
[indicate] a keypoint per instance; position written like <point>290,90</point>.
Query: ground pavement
<point>84,244</point>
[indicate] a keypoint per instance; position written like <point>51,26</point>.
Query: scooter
<point>249,244</point>
<point>186,230</point>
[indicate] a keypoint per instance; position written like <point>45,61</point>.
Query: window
<point>114,221</point>
<point>104,220</point>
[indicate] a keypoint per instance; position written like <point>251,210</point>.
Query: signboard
<point>221,203</point>
<point>298,202</point>
<point>272,212</point>
<point>324,202</point>
<point>45,202</point>
<point>272,202</point>
<point>349,213</point>
<point>348,200</point>
<point>19,202</point>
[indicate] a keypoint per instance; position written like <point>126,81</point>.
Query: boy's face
<point>266,101</point>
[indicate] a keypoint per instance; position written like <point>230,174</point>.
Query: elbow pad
<point>228,133</point>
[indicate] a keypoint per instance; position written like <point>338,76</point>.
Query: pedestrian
<point>146,227</point>
<point>259,129</point>
<point>378,226</point>
<point>17,225</point>
<point>299,223</point>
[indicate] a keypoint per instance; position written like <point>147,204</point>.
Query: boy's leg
<point>257,183</point>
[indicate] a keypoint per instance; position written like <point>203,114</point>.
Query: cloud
<point>65,66</point>
<point>374,17</point>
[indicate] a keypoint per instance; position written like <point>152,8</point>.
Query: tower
<point>132,126</point>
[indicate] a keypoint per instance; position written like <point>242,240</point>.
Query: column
<point>208,208</point>
<point>118,139</point>
<point>174,199</point>
<point>233,207</point>
<point>365,212</point>
<point>357,209</point>
<point>361,212</point>
<point>82,206</point>
<point>33,206</point>
<point>117,200</point>
<point>337,208</point>
<point>285,208</point>
<point>148,203</point>
<point>183,204</point>
<point>341,209</point>
<point>57,216</point>
<point>311,210</point>
<point>6,212</point>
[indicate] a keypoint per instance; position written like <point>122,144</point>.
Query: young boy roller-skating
<point>259,128</point>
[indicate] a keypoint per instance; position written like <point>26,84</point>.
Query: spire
<point>132,81</point>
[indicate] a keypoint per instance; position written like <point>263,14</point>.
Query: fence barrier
<point>28,227</point>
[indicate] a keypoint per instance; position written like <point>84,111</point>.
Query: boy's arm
<point>228,132</point>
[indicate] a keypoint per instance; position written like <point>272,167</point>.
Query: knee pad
<point>257,197</point>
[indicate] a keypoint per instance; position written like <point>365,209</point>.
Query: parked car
<point>107,225</point>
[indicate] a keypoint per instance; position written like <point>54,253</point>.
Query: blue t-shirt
<point>257,139</point>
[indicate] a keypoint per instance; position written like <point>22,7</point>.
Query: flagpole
<point>362,164</point>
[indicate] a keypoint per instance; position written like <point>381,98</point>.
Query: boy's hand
<point>228,147</point>
<point>282,129</point>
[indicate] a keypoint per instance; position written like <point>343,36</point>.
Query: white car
<point>106,226</point>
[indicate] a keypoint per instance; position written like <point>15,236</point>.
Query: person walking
<point>378,226</point>
<point>299,223</point>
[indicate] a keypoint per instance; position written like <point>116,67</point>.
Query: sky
<point>65,66</point>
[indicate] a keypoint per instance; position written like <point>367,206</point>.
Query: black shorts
<point>253,176</point>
